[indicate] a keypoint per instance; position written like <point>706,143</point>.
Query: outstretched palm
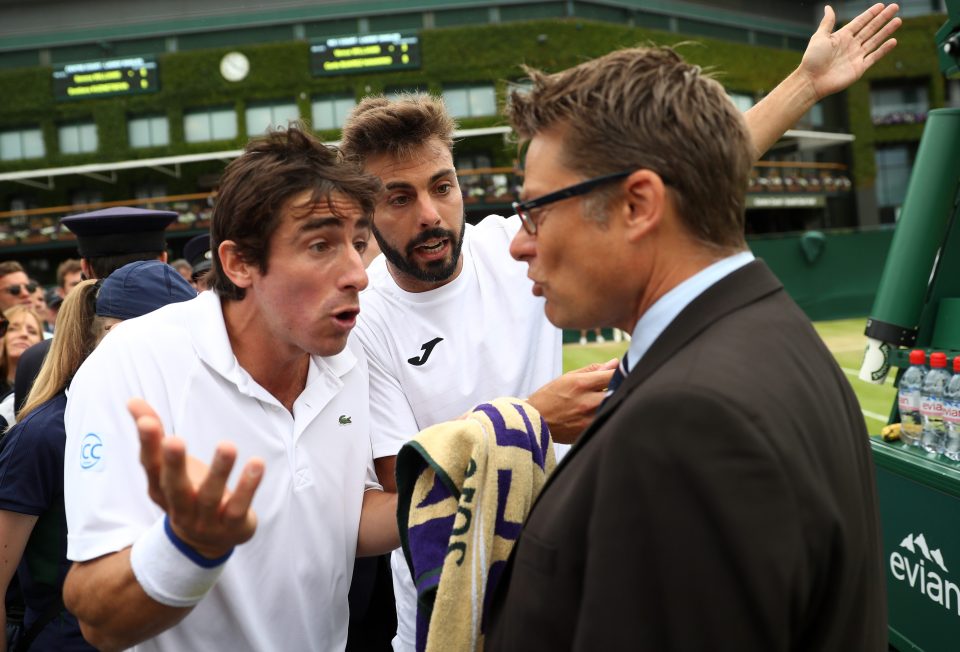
<point>834,60</point>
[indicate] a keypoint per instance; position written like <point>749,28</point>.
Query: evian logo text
<point>922,571</point>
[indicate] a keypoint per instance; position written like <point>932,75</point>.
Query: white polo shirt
<point>285,589</point>
<point>434,355</point>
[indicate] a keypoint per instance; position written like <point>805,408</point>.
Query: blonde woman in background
<point>24,329</point>
<point>32,521</point>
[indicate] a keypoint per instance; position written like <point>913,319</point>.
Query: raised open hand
<point>202,511</point>
<point>834,60</point>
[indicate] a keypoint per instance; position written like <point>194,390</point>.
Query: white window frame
<point>479,100</point>
<point>280,114</point>
<point>204,120</point>
<point>156,127</point>
<point>22,144</point>
<point>78,138</point>
<point>331,111</point>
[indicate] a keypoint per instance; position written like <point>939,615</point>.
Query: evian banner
<point>921,550</point>
<point>924,570</point>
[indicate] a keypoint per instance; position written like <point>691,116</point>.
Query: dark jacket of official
<point>723,499</point>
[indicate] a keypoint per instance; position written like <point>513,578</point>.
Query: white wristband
<point>170,571</point>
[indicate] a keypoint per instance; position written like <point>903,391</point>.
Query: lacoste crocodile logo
<point>344,420</point>
<point>418,361</point>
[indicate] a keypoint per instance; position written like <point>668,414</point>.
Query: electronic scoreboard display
<point>132,75</point>
<point>365,52</point>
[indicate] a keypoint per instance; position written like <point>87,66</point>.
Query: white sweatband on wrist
<point>169,570</point>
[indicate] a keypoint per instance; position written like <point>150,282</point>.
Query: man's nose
<point>355,274</point>
<point>428,213</point>
<point>523,247</point>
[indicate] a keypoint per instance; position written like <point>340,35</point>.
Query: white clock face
<point>234,66</point>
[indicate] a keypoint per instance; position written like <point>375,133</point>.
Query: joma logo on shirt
<point>427,348</point>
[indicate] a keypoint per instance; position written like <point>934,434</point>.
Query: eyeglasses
<point>16,287</point>
<point>523,208</point>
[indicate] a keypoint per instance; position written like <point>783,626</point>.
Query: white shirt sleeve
<point>105,488</point>
<point>392,423</point>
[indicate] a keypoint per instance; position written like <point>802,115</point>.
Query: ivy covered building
<point>111,101</point>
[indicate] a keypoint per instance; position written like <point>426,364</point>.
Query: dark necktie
<point>617,378</point>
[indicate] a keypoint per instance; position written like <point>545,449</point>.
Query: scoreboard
<point>366,52</point>
<point>104,78</point>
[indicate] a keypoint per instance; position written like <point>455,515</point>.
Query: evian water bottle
<point>931,403</point>
<point>951,414</point>
<point>908,399</point>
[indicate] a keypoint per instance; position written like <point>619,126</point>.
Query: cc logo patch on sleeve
<point>91,453</point>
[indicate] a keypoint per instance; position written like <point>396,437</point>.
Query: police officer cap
<point>141,287</point>
<point>197,253</point>
<point>118,231</point>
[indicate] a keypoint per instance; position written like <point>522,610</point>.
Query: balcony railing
<point>490,186</point>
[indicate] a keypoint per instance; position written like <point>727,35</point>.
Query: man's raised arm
<point>832,61</point>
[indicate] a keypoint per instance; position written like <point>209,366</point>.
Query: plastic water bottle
<point>931,403</point>
<point>951,414</point>
<point>908,399</point>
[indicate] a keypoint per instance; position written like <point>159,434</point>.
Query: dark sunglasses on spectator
<point>15,288</point>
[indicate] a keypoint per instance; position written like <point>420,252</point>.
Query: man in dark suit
<point>724,497</point>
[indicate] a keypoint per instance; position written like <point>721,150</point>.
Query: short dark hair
<point>10,267</point>
<point>648,108</point>
<point>256,187</point>
<point>69,266</point>
<point>104,266</point>
<point>395,127</point>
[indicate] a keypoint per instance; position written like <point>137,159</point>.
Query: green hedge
<point>281,71</point>
<point>915,57</point>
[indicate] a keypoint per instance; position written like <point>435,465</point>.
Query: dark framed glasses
<point>524,208</point>
<point>16,287</point>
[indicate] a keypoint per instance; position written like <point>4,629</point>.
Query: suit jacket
<point>722,499</point>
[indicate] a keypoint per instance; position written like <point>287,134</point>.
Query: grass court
<point>843,337</point>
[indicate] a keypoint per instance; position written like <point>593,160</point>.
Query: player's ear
<point>234,266</point>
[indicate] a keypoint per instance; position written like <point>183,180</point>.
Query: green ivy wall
<point>281,72</point>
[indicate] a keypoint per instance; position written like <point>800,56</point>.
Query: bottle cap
<point>918,356</point>
<point>938,360</point>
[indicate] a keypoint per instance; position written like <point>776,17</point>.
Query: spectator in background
<point>69,274</point>
<point>107,240</point>
<point>197,251</point>
<point>32,521</point>
<point>598,335</point>
<point>184,268</point>
<point>24,329</point>
<point>15,287</point>
<point>38,301</point>
<point>54,301</point>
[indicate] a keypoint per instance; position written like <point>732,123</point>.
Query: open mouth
<point>347,318</point>
<point>433,249</point>
<point>432,245</point>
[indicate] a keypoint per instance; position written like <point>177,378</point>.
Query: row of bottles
<point>929,401</point>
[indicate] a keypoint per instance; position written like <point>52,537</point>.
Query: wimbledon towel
<point>465,488</point>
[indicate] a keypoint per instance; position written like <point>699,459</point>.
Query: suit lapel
<point>742,287</point>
